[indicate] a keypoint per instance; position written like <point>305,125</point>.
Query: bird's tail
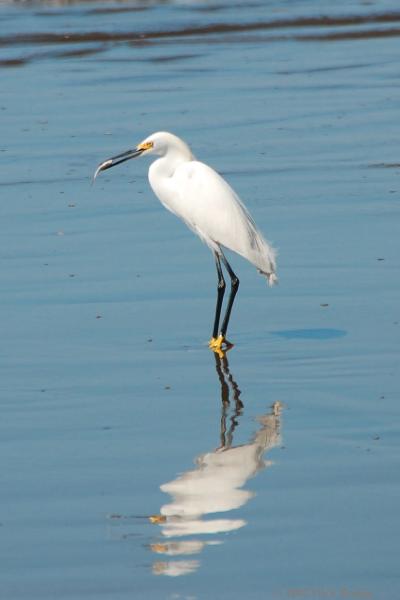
<point>271,278</point>
<point>258,250</point>
<point>266,260</point>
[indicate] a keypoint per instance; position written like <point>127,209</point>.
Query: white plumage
<point>199,196</point>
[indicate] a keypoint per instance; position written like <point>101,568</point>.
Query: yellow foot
<point>220,345</point>
<point>159,548</point>
<point>157,519</point>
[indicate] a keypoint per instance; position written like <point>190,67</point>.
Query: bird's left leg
<point>220,297</point>
<point>221,342</point>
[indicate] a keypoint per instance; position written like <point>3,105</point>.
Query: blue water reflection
<point>106,389</point>
<point>215,485</point>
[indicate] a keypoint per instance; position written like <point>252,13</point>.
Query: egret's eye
<point>145,146</point>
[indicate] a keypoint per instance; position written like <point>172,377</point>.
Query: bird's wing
<point>208,203</point>
<point>212,208</point>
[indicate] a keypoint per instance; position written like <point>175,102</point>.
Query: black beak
<point>116,160</point>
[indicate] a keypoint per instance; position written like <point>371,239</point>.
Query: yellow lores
<point>145,146</point>
<point>198,195</point>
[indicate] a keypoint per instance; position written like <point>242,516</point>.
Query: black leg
<point>234,289</point>
<point>224,398</point>
<point>220,295</point>
<point>228,385</point>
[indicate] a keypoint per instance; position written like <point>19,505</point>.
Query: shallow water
<point>284,457</point>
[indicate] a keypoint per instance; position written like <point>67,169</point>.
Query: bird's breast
<point>163,188</point>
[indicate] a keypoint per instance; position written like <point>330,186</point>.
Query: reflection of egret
<point>216,484</point>
<point>208,205</point>
<point>221,364</point>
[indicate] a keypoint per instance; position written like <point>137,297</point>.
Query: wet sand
<point>271,474</point>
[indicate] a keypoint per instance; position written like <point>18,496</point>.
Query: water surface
<point>134,464</point>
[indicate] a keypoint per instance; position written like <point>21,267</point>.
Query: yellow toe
<point>159,548</point>
<point>157,519</point>
<point>220,345</point>
<point>212,342</point>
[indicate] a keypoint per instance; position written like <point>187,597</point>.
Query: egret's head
<point>157,143</point>
<point>162,142</point>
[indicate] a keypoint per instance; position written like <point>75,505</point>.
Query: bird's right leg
<point>220,297</point>
<point>221,344</point>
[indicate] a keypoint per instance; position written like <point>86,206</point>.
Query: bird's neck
<point>166,165</point>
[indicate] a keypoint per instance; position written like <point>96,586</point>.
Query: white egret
<point>199,196</point>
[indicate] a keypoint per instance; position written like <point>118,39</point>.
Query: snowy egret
<point>199,196</point>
